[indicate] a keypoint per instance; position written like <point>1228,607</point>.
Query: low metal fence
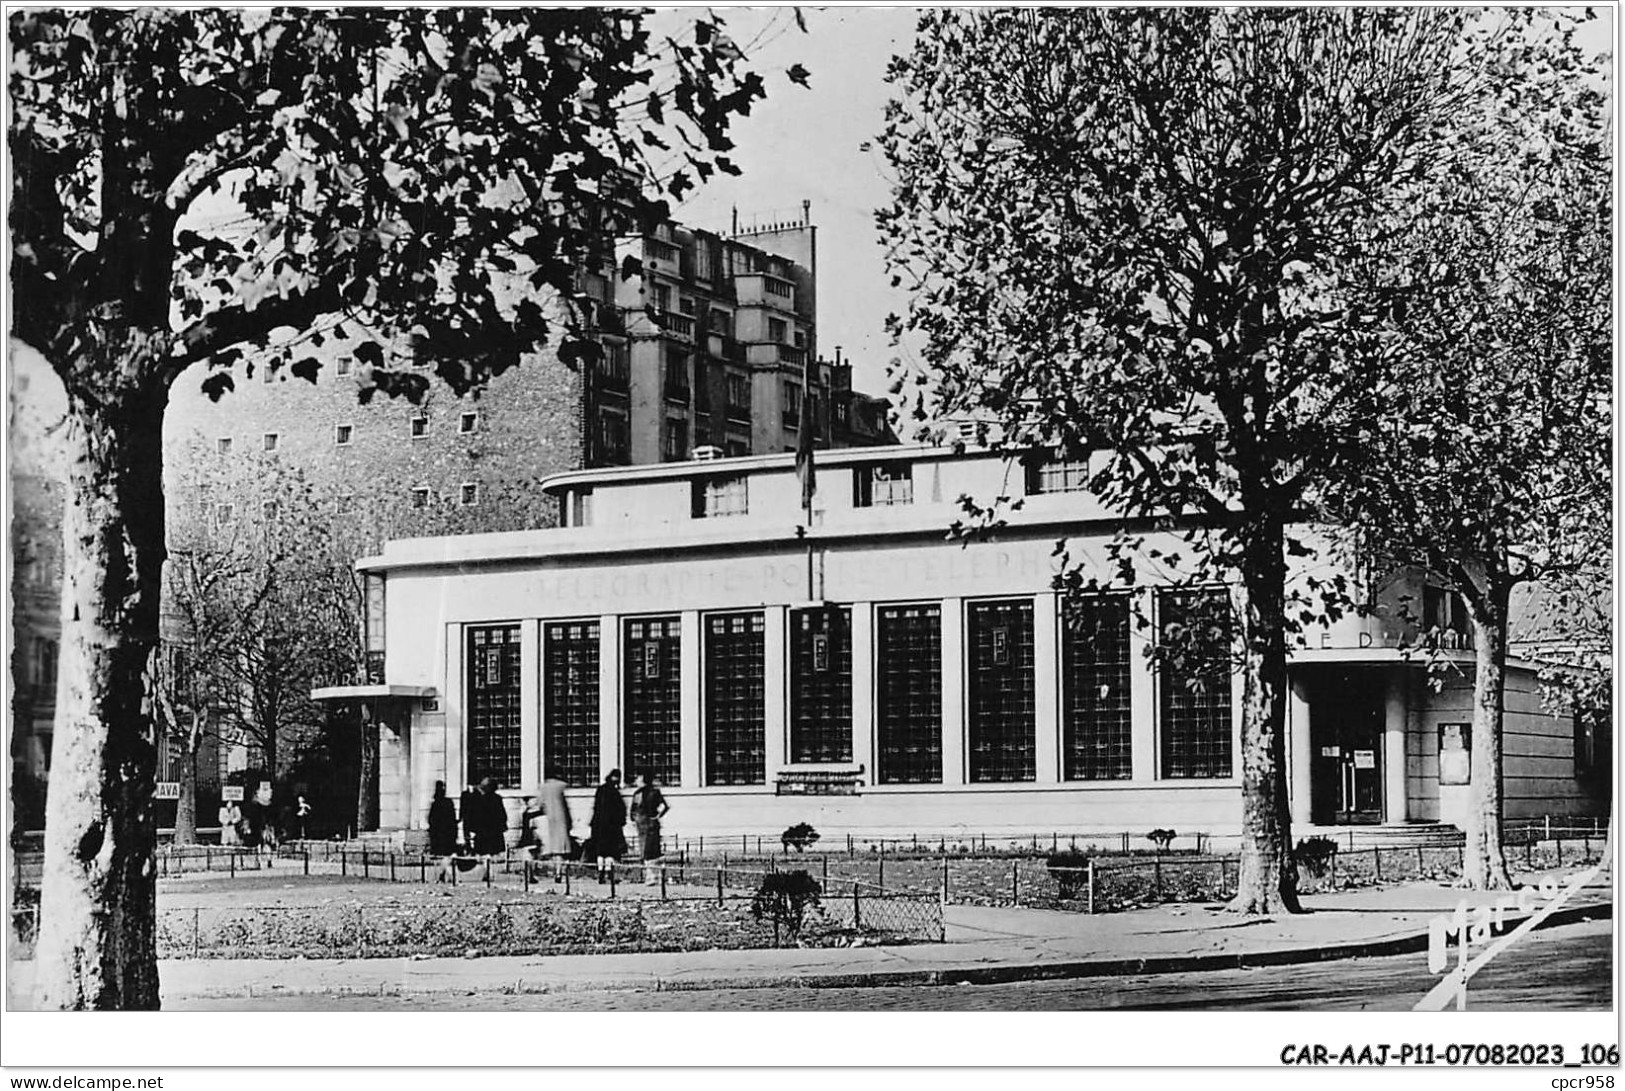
<point>661,915</point>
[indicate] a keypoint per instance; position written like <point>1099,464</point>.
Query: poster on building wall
<point>1455,753</point>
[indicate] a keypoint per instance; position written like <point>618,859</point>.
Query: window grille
<point>821,685</point>
<point>1002,721</point>
<point>908,684</point>
<point>1194,629</point>
<point>1096,729</point>
<point>493,704</point>
<point>735,735</point>
<point>570,700</point>
<point>651,665</point>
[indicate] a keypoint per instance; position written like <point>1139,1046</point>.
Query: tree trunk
<point>186,805</point>
<point>1268,879</point>
<point>1484,866</point>
<point>98,908</point>
<point>366,800</point>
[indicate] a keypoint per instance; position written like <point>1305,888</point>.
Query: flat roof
<point>830,456</point>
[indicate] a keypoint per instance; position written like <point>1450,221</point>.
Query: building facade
<point>864,674</point>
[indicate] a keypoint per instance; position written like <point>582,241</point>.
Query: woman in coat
<point>556,822</point>
<point>608,823</point>
<point>442,823</point>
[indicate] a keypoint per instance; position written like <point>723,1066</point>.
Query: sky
<point>808,144</point>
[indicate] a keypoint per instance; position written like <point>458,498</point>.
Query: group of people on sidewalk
<point>250,824</point>
<point>545,825</point>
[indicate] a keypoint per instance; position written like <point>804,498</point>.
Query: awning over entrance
<point>371,692</point>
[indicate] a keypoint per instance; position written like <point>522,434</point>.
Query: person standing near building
<point>608,823</point>
<point>649,806</point>
<point>490,821</point>
<point>230,815</point>
<point>556,822</point>
<point>467,813</point>
<point>301,818</point>
<point>442,829</point>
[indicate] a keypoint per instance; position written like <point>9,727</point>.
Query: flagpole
<point>807,440</point>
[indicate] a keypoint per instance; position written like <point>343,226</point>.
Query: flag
<point>804,450</point>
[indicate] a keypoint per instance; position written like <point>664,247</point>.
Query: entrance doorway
<point>1346,735</point>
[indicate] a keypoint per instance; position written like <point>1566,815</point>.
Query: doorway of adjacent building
<point>1346,729</point>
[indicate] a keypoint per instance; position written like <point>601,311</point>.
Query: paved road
<point>1564,969</point>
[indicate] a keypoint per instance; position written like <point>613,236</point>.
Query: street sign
<point>167,789</point>
<point>232,793</point>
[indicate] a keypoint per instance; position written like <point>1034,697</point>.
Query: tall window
<point>493,704</point>
<point>570,700</point>
<point>613,444</point>
<point>1096,735</point>
<point>1193,637</point>
<point>738,396</point>
<point>821,685</point>
<point>908,684</point>
<point>702,385</point>
<point>676,448</point>
<point>676,375</point>
<point>651,665</point>
<point>791,394</point>
<point>1002,721</point>
<point>735,735</point>
<point>776,329</point>
<point>661,294</point>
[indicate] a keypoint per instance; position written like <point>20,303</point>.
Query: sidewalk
<point>985,946</point>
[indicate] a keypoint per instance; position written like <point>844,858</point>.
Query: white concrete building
<point>868,675</point>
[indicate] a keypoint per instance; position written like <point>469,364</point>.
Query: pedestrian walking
<point>442,830</point>
<point>555,827</point>
<point>649,806</point>
<point>230,817</point>
<point>608,824</point>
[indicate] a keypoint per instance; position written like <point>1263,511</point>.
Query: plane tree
<point>198,187</point>
<point>1480,449</point>
<point>1124,233</point>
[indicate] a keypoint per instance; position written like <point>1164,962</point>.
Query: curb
<point>1408,943</point>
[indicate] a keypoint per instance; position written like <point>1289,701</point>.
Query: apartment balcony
<point>789,354</point>
<point>738,412</point>
<point>679,326</point>
<point>677,392</point>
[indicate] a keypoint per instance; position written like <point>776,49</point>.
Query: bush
<point>1069,870</point>
<point>1161,838</point>
<point>785,896</point>
<point>1314,855</point>
<point>800,837</point>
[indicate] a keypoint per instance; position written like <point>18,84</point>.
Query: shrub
<point>785,896</point>
<point>1069,870</point>
<point>1161,838</point>
<point>1314,854</point>
<point>800,837</point>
